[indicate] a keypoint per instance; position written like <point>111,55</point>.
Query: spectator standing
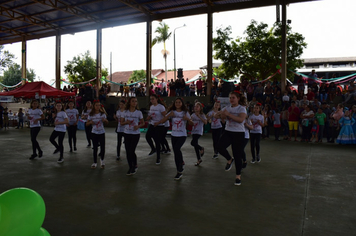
<point>307,117</point>
<point>311,78</point>
<point>192,89</point>
<point>20,115</point>
<point>199,86</point>
<point>293,120</point>
<point>321,117</point>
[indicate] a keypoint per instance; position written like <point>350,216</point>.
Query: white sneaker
<point>102,163</point>
<point>93,166</point>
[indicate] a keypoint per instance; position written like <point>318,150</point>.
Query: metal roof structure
<point>34,19</point>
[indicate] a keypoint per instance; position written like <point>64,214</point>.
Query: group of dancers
<point>230,126</point>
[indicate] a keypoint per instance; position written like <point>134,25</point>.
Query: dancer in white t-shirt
<point>133,121</point>
<point>257,121</point>
<point>216,127</point>
<point>234,133</point>
<point>97,118</point>
<point>73,116</point>
<point>179,116</point>
<point>60,122</point>
<point>120,128</point>
<point>35,115</point>
<point>199,120</point>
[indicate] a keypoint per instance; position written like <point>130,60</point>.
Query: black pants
<point>196,145</point>
<point>236,140</point>
<point>59,145</point>
<point>72,135</point>
<point>88,132</point>
<point>131,141</point>
<point>177,143</point>
<point>306,132</point>
<point>255,144</point>
<point>216,133</point>
<point>120,135</point>
<point>98,139</point>
<point>35,145</point>
<point>164,143</point>
<point>245,143</point>
<point>277,131</point>
<point>156,133</point>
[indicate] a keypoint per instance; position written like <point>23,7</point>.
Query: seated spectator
<point>310,95</point>
<point>323,92</point>
<point>304,102</point>
<point>351,92</point>
<point>259,92</point>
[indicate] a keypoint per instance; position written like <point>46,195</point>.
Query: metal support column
<point>58,61</point>
<point>284,47</point>
<point>148,55</point>
<point>24,60</point>
<point>99,35</point>
<point>210,52</point>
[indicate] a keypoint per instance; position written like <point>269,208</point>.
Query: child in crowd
<point>248,127</point>
<point>179,116</point>
<point>60,122</point>
<point>315,131</point>
<point>257,121</point>
<point>346,135</point>
<point>353,116</point>
<point>199,121</point>
<point>276,117</point>
<point>133,121</point>
<point>73,116</point>
<point>216,127</point>
<point>120,128</point>
<point>35,115</point>
<point>321,117</point>
<point>97,118</point>
<point>20,116</point>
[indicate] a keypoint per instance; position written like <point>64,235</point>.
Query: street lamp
<point>174,44</point>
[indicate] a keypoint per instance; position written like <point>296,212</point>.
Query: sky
<point>328,28</point>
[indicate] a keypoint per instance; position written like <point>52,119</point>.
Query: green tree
<point>82,68</point>
<point>5,58</point>
<point>257,54</point>
<point>137,75</point>
<point>13,75</point>
<point>162,37</point>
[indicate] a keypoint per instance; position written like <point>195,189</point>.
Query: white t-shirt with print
<point>34,114</point>
<point>257,128</point>
<point>60,117</point>
<point>85,115</point>
<point>120,114</point>
<point>72,116</point>
<point>166,124</point>
<point>215,122</point>
<point>98,125</point>
<point>178,124</point>
<point>134,120</point>
<point>198,127</point>
<point>156,113</point>
<point>247,131</point>
<point>232,125</point>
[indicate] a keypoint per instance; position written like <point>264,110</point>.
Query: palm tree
<point>163,36</point>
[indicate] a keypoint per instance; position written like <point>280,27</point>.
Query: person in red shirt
<point>310,94</point>
<point>199,85</point>
<point>293,120</point>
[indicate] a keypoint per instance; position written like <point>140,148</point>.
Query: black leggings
<point>119,141</point>
<point>177,143</point>
<point>164,143</point>
<point>98,139</point>
<point>156,133</point>
<point>306,132</point>
<point>59,145</point>
<point>245,143</point>
<point>255,143</point>
<point>72,135</point>
<point>236,140</point>
<point>131,141</point>
<point>196,146</point>
<point>35,145</point>
<point>88,132</point>
<point>216,133</point>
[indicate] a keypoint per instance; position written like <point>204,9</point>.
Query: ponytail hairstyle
<point>173,107</point>
<point>69,101</point>
<point>127,107</point>
<point>101,109</point>
<point>122,101</point>
<point>242,98</point>
<point>85,107</point>
<point>34,100</point>
<point>58,102</point>
<point>217,101</point>
<point>260,106</point>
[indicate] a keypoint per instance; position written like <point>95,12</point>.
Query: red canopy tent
<point>30,90</point>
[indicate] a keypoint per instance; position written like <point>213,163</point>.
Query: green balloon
<point>42,232</point>
<point>22,212</point>
<point>278,67</point>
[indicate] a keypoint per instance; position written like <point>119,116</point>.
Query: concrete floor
<point>297,189</point>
